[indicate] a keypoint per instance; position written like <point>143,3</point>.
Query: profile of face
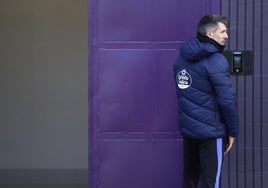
<point>219,35</point>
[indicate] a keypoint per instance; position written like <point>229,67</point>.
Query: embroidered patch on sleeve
<point>183,79</point>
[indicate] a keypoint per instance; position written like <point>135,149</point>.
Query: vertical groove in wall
<point>261,97</point>
<point>253,98</point>
<point>91,85</point>
<point>245,101</point>
<point>229,163</point>
<point>237,91</point>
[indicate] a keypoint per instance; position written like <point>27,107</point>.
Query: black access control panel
<point>240,61</point>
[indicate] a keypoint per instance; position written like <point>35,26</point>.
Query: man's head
<point>214,27</point>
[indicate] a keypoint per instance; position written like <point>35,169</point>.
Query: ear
<point>209,33</point>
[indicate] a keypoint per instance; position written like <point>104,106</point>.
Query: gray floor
<point>41,186</point>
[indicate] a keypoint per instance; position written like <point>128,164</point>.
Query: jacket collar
<point>206,39</point>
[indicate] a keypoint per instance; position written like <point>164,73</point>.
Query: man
<point>208,117</point>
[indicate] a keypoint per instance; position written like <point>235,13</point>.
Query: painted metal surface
<point>246,166</point>
<point>133,137</point>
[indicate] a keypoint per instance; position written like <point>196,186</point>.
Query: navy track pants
<point>202,160</point>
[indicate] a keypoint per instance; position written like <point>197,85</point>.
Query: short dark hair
<point>211,22</point>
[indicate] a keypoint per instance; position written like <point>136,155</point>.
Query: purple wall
<point>133,138</point>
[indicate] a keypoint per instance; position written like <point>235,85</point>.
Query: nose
<point>226,36</point>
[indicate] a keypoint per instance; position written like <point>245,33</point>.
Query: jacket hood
<point>194,50</point>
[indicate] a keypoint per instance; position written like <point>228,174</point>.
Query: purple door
<point>133,137</point>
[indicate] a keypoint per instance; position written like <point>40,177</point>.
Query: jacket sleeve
<point>218,70</point>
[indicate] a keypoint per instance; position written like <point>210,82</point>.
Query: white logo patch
<point>183,79</point>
